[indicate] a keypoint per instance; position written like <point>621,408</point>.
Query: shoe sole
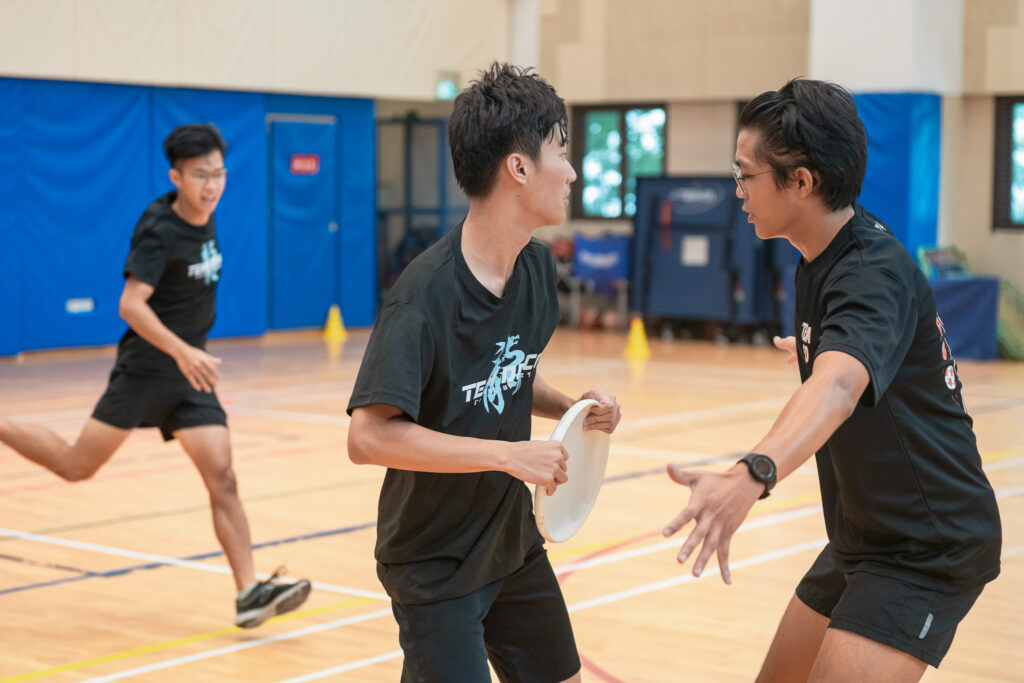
<point>285,602</point>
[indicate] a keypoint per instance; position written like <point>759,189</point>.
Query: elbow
<point>126,309</point>
<point>847,395</point>
<point>360,449</point>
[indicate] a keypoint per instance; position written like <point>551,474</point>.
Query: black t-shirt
<point>456,359</point>
<point>182,262</point>
<point>902,486</point>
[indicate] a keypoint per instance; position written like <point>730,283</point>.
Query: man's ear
<point>516,167</point>
<point>175,176</point>
<point>805,181</point>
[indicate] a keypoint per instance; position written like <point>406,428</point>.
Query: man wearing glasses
<point>163,376</point>
<point>913,528</point>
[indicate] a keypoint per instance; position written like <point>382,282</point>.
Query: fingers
<point>200,370</point>
<point>692,541</point>
<point>723,561</point>
<point>605,415</point>
<point>681,476</point>
<point>710,543</point>
<point>678,522</point>
<point>203,376</point>
<point>786,344</point>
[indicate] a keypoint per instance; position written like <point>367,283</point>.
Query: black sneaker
<point>269,599</point>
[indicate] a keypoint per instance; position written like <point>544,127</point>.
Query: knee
<point>222,482</point>
<point>76,470</point>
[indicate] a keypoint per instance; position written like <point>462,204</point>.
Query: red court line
<point>183,464</point>
<point>588,664</point>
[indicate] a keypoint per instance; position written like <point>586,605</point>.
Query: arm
<point>720,501</point>
<point>548,401</point>
<point>380,435</point>
<point>198,367</point>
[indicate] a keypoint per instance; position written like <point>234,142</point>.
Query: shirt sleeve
<point>397,363</point>
<point>870,315</point>
<point>147,257</point>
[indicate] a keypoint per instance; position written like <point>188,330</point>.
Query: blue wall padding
<point>356,202</point>
<point>79,162</point>
<point>84,180</point>
<point>904,158</point>
<point>11,227</point>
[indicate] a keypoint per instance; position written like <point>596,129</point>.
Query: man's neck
<point>492,237</point>
<point>818,231</point>
<point>195,218</point>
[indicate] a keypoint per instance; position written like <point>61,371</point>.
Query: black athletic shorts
<point>920,620</point>
<point>520,622</point>
<point>169,403</point>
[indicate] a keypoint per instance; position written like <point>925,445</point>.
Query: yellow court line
<point>760,508</point>
<point>167,645</point>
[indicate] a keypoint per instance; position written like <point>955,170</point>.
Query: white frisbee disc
<point>561,515</point>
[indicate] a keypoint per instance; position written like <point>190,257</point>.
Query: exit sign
<point>305,164</point>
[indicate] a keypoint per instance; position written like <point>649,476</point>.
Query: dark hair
<point>193,140</point>
<point>813,124</point>
<point>507,109</point>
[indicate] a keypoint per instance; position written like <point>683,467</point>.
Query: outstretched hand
<point>603,417</point>
<point>719,502</point>
<point>786,344</point>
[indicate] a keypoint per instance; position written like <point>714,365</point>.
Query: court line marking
<point>169,561</point>
<point>189,658</point>
<point>351,666</point>
<point>586,604</point>
<point>639,590</point>
<point>817,544</point>
<point>237,647</point>
<point>1003,455</point>
<point>177,642</point>
<point>678,541</point>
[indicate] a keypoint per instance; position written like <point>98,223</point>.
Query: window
<point>1008,175</point>
<point>612,146</point>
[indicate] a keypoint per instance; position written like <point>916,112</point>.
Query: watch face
<point>763,466</point>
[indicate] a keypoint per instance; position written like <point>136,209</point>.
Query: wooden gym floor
<point>120,577</point>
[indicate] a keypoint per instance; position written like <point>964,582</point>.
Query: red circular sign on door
<point>305,164</point>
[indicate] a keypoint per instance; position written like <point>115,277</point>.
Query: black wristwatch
<point>762,469</point>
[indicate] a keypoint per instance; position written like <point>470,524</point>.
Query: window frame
<point>1002,160</point>
<point>577,142</point>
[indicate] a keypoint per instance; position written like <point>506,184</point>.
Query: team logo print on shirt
<point>805,337</point>
<point>949,374</point>
<point>207,270</point>
<point>510,365</point>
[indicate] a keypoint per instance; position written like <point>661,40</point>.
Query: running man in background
<point>444,400</point>
<point>912,522</point>
<point>163,376</point>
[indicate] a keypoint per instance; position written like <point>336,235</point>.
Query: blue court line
<point>156,565</point>
<point>47,565</point>
<point>294,539</point>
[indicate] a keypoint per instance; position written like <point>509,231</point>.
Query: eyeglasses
<point>741,177</point>
<point>202,177</point>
